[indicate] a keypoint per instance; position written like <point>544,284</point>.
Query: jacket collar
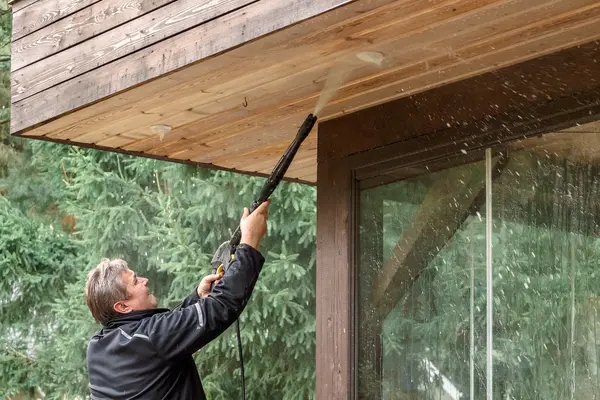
<point>133,316</point>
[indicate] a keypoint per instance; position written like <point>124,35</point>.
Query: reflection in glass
<point>546,264</point>
<point>421,287</point>
<point>421,278</point>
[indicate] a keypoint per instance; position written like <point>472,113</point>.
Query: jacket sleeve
<point>185,330</point>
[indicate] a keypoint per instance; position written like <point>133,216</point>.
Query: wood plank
<point>78,27</point>
<point>17,5</point>
<point>310,91</point>
<point>263,160</point>
<point>201,42</point>
<point>309,177</point>
<point>115,141</point>
<point>309,173</point>
<point>280,120</point>
<point>126,39</point>
<point>44,13</point>
<point>306,159</point>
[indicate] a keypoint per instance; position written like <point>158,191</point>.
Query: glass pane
<point>546,275</point>
<point>421,298</point>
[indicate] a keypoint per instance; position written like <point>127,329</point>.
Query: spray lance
<point>226,252</point>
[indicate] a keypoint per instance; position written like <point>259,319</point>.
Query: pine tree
<point>64,208</point>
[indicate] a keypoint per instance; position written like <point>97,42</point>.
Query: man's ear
<point>122,308</point>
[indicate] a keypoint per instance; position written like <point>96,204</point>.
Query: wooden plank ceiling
<point>231,80</point>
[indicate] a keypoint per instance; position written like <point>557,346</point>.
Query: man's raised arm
<point>192,326</point>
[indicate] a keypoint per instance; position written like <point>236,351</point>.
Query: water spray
<point>340,72</point>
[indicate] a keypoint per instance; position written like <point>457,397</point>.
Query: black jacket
<point>148,354</point>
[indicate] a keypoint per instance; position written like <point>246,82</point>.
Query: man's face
<point>140,297</point>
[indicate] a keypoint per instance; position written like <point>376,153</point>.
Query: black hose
<point>240,350</point>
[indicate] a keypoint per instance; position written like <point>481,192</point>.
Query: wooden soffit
<point>234,79</point>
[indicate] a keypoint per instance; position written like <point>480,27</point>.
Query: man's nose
<point>145,281</point>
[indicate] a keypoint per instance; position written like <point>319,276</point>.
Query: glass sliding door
<point>421,287</point>
<point>421,295</point>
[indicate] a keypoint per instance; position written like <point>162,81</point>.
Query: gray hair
<point>105,287</point>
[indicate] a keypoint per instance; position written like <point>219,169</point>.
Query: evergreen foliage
<point>64,208</point>
<point>165,220</point>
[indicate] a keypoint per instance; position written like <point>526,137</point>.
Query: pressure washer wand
<point>279,171</point>
<point>225,253</point>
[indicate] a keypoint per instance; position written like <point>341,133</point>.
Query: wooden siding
<point>235,78</point>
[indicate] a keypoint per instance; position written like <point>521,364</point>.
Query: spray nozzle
<point>306,127</point>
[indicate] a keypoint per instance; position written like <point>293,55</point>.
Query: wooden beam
<point>335,285</point>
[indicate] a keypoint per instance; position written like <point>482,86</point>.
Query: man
<point>145,352</point>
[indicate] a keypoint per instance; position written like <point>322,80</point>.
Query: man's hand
<point>254,226</point>
<point>205,284</point>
